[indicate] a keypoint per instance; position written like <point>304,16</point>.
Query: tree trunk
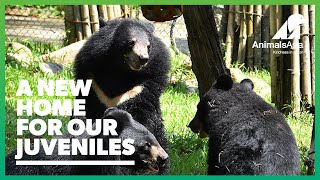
<point>203,41</point>
<point>242,37</point>
<point>250,37</point>
<point>230,36</point>
<point>86,21</point>
<point>306,69</point>
<point>94,17</point>
<point>77,19</point>
<point>312,43</point>
<point>257,35</point>
<point>69,25</point>
<point>266,36</point>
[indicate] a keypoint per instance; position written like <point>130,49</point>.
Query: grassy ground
<point>188,153</point>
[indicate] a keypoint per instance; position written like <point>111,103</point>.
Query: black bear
<point>148,155</point>
<point>247,136</point>
<point>129,68</point>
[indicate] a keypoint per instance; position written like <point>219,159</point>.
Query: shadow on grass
<point>181,87</point>
<point>188,154</point>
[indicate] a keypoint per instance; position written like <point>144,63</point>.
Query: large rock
<point>260,87</point>
<point>18,52</point>
<point>51,67</point>
<point>237,75</point>
<point>65,55</point>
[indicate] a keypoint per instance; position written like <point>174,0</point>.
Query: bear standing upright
<point>247,136</point>
<point>129,69</point>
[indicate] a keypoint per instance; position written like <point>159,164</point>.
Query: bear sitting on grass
<point>247,136</point>
<point>148,155</point>
<point>129,67</point>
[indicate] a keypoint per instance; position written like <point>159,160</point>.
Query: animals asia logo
<point>292,25</point>
<point>288,31</point>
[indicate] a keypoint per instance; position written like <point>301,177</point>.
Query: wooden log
<point>77,20</point>
<point>110,12</point>
<point>230,36</point>
<point>295,71</point>
<point>265,22</point>
<point>250,37</point>
<point>204,44</point>
<point>257,35</point>
<point>273,63</point>
<point>235,44</point>
<point>284,69</point>
<point>137,12</point>
<point>312,48</point>
<point>242,36</point>
<point>131,11</point>
<point>306,65</point>
<point>278,62</point>
<point>125,11</point>
<point>117,11</point>
<point>85,17</point>
<point>103,11</point>
<point>69,25</point>
<point>224,24</point>
<point>237,14</point>
<point>94,17</point>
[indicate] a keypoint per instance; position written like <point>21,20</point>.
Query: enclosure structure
<point>229,37</point>
<point>251,41</point>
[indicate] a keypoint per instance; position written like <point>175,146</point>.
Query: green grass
<point>188,153</point>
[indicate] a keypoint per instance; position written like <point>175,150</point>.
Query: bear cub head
<point>133,41</point>
<point>224,90</point>
<point>148,152</point>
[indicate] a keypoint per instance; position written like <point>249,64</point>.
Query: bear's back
<point>253,137</point>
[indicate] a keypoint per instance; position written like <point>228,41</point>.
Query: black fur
<point>102,59</point>
<point>127,128</point>
<point>247,136</point>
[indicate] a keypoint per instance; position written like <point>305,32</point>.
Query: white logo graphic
<point>292,25</point>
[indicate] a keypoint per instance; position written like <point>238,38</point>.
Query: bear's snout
<point>158,153</point>
<point>195,125</point>
<point>144,58</point>
<point>162,154</point>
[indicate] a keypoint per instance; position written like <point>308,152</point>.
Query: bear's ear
<point>149,26</point>
<point>102,22</point>
<point>224,82</point>
<point>123,118</point>
<point>247,83</point>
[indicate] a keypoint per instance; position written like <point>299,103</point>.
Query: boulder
<point>51,67</point>
<point>65,55</point>
<point>262,88</point>
<point>18,52</point>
